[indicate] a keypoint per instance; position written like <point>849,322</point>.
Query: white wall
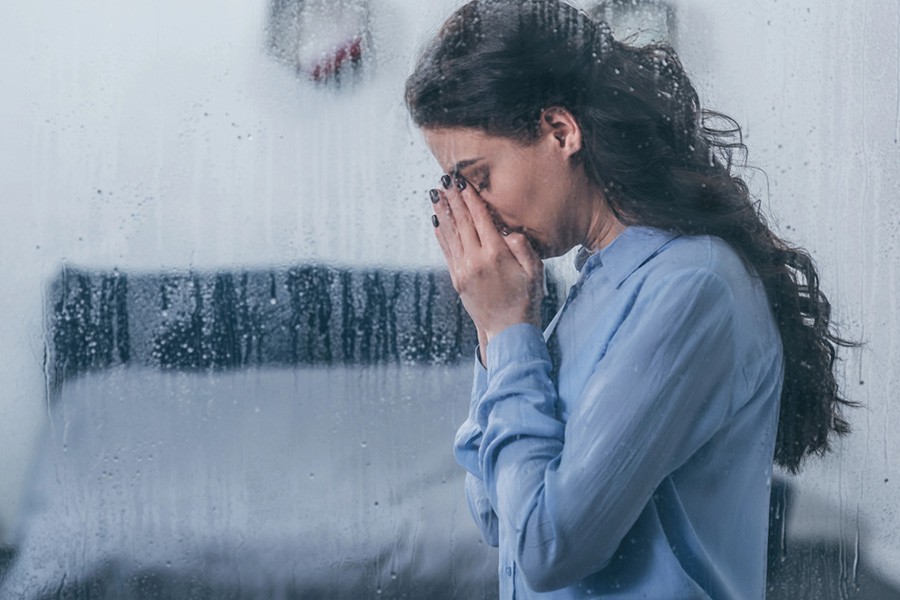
<point>816,86</point>
<point>157,135</point>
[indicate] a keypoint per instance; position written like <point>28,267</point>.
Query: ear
<point>561,129</point>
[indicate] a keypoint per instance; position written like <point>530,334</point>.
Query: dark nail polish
<point>435,196</point>
<point>434,220</point>
<point>461,182</point>
<point>445,181</point>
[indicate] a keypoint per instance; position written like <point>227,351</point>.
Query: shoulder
<point>709,266</point>
<point>693,258</point>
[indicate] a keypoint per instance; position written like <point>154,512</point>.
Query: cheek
<point>510,198</point>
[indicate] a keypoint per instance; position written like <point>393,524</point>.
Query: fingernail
<point>460,182</point>
<point>435,196</point>
<point>445,181</point>
<point>434,220</point>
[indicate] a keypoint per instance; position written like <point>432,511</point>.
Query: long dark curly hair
<point>660,159</point>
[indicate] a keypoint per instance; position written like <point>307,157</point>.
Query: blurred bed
<point>283,433</point>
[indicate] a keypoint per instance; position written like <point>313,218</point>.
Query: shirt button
<point>509,571</point>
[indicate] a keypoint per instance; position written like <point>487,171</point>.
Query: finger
<point>468,235</point>
<point>521,248</point>
<point>448,256</point>
<point>439,233</point>
<point>482,220</point>
<point>447,225</point>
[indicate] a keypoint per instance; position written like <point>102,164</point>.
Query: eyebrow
<point>465,163</point>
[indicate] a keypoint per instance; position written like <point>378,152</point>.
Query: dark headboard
<point>303,315</point>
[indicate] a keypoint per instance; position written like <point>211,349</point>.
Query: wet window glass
<point>232,357</point>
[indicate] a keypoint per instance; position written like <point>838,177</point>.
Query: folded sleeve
<point>468,439</point>
<point>569,493</point>
<point>468,436</point>
<point>482,511</point>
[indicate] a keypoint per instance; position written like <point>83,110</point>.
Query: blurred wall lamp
<point>637,22</point>
<point>324,40</point>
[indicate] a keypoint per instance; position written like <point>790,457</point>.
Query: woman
<point>627,450</point>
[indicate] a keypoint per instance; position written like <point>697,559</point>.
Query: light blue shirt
<point>627,451</point>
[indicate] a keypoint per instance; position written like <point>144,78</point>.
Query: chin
<point>543,249</point>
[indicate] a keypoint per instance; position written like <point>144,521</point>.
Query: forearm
<point>481,509</point>
<point>468,437</point>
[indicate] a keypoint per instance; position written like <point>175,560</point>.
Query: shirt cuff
<point>519,342</point>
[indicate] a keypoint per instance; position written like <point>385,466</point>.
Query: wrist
<point>490,334</point>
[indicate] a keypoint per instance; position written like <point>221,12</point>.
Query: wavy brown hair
<point>660,159</point>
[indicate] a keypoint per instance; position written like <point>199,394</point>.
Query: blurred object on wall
<point>639,22</point>
<point>321,39</point>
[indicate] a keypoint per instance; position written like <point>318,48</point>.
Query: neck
<point>604,226</point>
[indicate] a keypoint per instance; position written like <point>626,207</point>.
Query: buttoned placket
<point>510,568</point>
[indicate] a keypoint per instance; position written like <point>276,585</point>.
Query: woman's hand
<point>500,278</point>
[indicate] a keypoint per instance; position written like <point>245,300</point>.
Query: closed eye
<point>480,178</point>
<point>485,181</point>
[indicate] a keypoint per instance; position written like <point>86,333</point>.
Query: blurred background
<point>231,361</point>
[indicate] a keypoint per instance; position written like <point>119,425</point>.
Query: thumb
<point>524,253</point>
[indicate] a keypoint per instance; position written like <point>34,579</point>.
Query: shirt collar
<point>625,254</point>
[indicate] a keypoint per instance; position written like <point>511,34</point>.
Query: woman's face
<point>530,189</point>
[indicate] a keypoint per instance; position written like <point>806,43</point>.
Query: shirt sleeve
<point>468,436</point>
<point>468,440</point>
<point>570,493</point>
<point>482,511</point>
